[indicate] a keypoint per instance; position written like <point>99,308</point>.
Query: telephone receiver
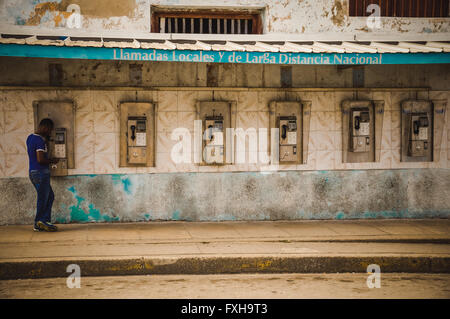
<point>133,131</point>
<point>416,127</point>
<point>210,129</point>
<point>283,131</point>
<point>357,122</point>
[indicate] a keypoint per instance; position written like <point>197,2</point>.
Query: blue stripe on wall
<point>92,53</point>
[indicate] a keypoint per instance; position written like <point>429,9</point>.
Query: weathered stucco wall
<point>97,73</point>
<point>96,16</point>
<point>97,128</point>
<point>98,190</point>
<point>280,16</point>
<point>97,119</point>
<point>235,196</point>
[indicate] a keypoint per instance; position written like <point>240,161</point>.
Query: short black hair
<point>48,123</point>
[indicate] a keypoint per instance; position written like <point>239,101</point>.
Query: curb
<point>222,265</point>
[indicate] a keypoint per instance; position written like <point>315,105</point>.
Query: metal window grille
<point>205,25</point>
<point>402,8</point>
<point>169,22</point>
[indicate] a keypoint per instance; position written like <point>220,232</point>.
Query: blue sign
<point>93,53</point>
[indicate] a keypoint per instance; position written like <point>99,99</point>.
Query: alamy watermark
<point>374,20</point>
<point>74,20</point>
<point>374,279</point>
<point>74,279</point>
<point>229,146</point>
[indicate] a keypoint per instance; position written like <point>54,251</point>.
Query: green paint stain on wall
<point>118,179</point>
<point>72,189</point>
<point>145,217</point>
<point>94,214</point>
<point>176,215</point>
<point>340,215</point>
<point>78,214</point>
<point>126,185</point>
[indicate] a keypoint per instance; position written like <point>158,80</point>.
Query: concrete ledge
<point>223,265</point>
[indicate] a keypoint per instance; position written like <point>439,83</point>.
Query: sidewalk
<point>226,247</point>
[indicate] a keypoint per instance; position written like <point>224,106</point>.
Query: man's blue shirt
<point>35,143</point>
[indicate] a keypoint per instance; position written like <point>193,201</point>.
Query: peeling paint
<point>78,214</point>
<point>176,215</point>
<point>340,215</point>
<point>289,16</point>
<point>124,181</point>
<point>289,195</point>
<point>338,13</point>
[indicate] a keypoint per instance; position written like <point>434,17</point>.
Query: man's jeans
<point>45,195</point>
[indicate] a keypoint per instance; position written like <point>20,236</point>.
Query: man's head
<point>45,127</point>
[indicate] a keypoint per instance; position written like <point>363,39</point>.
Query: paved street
<point>253,286</point>
<point>188,248</point>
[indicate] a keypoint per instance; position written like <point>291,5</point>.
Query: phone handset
<point>357,122</point>
<point>210,130</point>
<point>133,132</point>
<point>416,127</point>
<point>284,131</point>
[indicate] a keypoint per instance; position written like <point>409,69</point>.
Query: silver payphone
<point>417,131</point>
<point>215,147</point>
<point>137,132</point>
<point>418,137</point>
<point>58,149</point>
<point>360,130</point>
<point>288,138</point>
<point>137,140</point>
<point>213,139</point>
<point>289,126</point>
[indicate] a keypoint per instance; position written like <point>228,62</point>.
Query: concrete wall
<point>280,16</point>
<point>96,73</point>
<point>235,196</point>
<point>98,190</point>
<point>97,128</point>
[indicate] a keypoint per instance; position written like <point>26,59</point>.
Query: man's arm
<point>40,155</point>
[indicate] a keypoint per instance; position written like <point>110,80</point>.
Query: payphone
<point>214,147</point>
<point>61,142</point>
<point>58,149</point>
<point>418,134</point>
<point>216,144</point>
<point>288,121</point>
<point>137,140</point>
<point>288,138</point>
<point>360,130</point>
<point>137,125</point>
<point>417,131</point>
<point>423,124</point>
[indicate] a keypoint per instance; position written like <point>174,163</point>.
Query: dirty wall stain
<point>104,8</point>
<point>338,13</point>
<point>124,180</point>
<point>57,11</point>
<point>78,214</point>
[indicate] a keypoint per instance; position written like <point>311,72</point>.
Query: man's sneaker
<point>37,228</point>
<point>46,226</point>
<point>53,226</point>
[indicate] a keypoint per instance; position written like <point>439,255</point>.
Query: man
<point>39,173</point>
